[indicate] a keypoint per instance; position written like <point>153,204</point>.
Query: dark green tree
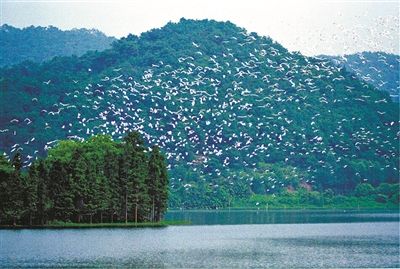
<point>364,189</point>
<point>60,192</point>
<point>80,184</point>
<point>111,174</point>
<point>14,190</point>
<point>157,184</point>
<point>30,186</point>
<point>43,202</point>
<point>86,182</point>
<point>137,174</point>
<point>123,186</point>
<point>6,175</point>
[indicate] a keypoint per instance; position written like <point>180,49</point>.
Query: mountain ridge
<point>235,113</point>
<point>38,43</point>
<point>378,68</point>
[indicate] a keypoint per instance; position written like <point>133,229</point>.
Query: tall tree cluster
<point>98,180</point>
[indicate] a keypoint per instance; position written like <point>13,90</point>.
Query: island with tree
<point>94,181</point>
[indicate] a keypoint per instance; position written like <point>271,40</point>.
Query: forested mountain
<point>40,44</point>
<point>235,113</point>
<point>378,68</point>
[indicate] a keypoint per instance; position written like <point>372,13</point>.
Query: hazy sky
<point>311,27</point>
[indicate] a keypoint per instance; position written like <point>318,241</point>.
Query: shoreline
<point>166,223</point>
<point>73,225</point>
<point>292,209</point>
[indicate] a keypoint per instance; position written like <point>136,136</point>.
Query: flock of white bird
<point>206,110</point>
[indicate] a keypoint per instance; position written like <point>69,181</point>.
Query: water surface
<point>306,245</point>
<point>263,216</point>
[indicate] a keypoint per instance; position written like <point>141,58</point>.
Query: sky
<point>313,27</point>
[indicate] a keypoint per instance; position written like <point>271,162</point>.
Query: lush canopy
<point>93,181</point>
<point>40,44</point>
<point>235,113</point>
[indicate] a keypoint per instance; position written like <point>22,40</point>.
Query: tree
<point>14,191</point>
<point>157,183</point>
<point>89,178</point>
<point>42,192</point>
<point>111,174</point>
<point>364,189</point>
<point>137,173</point>
<point>30,183</point>
<point>123,185</point>
<point>6,174</point>
<point>80,184</point>
<point>387,189</point>
<point>60,192</point>
<point>17,163</point>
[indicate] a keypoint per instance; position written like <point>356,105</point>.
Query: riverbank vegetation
<point>365,196</point>
<point>93,181</point>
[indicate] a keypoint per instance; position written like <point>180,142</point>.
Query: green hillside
<point>235,113</point>
<point>377,68</point>
<point>40,44</point>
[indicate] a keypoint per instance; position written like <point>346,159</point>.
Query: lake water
<point>367,243</point>
<point>207,217</point>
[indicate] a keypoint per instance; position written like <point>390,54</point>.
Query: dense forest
<point>98,180</point>
<point>40,44</point>
<point>235,113</point>
<point>377,68</point>
<point>364,196</point>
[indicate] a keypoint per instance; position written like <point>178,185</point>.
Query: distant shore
<point>263,208</point>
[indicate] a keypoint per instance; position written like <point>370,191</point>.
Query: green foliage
<point>11,200</point>
<point>135,160</point>
<point>388,189</point>
<point>157,183</point>
<point>364,189</point>
<point>235,113</point>
<point>378,68</point>
<point>83,182</point>
<point>303,198</point>
<point>39,44</point>
<point>381,198</point>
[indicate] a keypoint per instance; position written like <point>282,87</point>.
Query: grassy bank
<point>73,225</point>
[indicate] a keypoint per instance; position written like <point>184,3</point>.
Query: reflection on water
<point>202,217</point>
<point>322,245</point>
